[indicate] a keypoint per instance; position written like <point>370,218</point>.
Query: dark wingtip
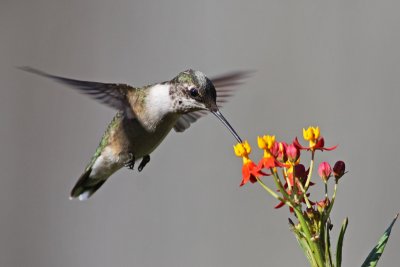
<point>33,70</point>
<point>81,187</point>
<point>235,75</point>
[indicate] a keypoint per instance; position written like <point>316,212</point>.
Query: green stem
<point>279,185</point>
<point>285,176</point>
<point>326,189</point>
<point>327,241</point>
<point>333,200</point>
<point>316,250</point>
<point>270,191</point>
<point>310,171</point>
<point>304,195</point>
<point>326,221</point>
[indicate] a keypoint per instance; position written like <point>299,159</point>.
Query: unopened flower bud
<point>324,171</point>
<point>282,157</point>
<point>292,153</point>
<point>301,172</point>
<point>315,238</point>
<point>275,149</point>
<point>323,204</point>
<point>339,169</point>
<point>310,212</point>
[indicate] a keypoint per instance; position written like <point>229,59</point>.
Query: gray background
<point>330,63</point>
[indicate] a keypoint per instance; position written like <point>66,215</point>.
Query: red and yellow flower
<point>268,144</point>
<point>316,141</point>
<point>250,171</point>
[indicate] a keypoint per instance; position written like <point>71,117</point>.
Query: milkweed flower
<point>316,141</point>
<point>266,142</point>
<point>270,147</point>
<point>250,171</point>
<point>243,150</point>
<point>311,135</point>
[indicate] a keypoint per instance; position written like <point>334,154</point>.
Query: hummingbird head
<point>193,91</point>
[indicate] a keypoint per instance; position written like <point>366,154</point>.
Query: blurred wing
<point>225,86</point>
<point>185,120</point>
<point>111,94</point>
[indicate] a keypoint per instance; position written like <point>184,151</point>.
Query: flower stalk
<point>292,188</point>
<point>310,222</point>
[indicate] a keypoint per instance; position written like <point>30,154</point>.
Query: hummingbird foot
<point>131,162</point>
<point>145,160</point>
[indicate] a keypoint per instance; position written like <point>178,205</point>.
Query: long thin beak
<point>226,123</point>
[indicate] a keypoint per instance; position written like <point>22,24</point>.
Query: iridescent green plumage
<point>105,139</point>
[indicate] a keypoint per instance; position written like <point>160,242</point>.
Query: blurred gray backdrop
<point>335,64</point>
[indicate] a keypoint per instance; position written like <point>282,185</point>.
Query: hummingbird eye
<point>194,92</point>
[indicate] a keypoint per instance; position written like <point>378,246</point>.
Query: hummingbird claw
<point>131,163</point>
<point>145,160</point>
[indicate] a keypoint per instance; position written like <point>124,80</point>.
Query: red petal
<point>280,205</point>
<point>249,173</point>
<point>256,169</point>
<point>268,162</point>
<point>329,148</point>
<point>245,175</point>
<point>290,179</point>
<point>296,143</point>
<point>261,173</point>
<point>280,164</point>
<point>320,145</point>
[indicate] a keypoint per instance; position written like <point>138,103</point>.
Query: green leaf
<point>377,251</point>
<point>328,257</point>
<point>307,250</point>
<point>339,245</point>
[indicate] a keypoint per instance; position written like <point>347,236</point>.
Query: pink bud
<point>292,153</point>
<point>339,169</point>
<point>275,150</point>
<point>282,157</point>
<point>324,171</point>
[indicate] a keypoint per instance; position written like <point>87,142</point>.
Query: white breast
<point>158,104</point>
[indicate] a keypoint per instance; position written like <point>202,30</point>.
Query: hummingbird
<point>145,115</point>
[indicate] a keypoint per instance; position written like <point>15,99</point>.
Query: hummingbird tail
<point>85,186</point>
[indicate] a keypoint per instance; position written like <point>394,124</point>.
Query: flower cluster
<point>310,222</point>
<point>282,161</point>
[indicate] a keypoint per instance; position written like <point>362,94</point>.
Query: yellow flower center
<point>243,150</point>
<point>267,154</point>
<point>311,135</point>
<point>266,141</point>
